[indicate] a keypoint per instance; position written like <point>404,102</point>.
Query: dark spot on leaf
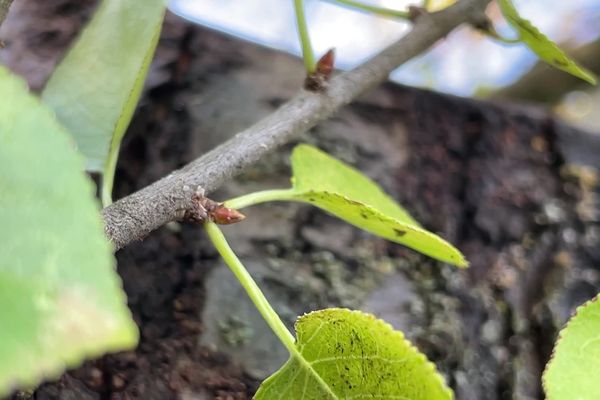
<point>399,232</point>
<point>353,202</point>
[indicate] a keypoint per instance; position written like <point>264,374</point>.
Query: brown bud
<point>318,80</point>
<point>224,216</point>
<point>325,63</point>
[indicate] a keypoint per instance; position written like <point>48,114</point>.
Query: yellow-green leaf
<point>339,189</point>
<point>60,297</point>
<point>327,183</point>
<point>345,354</point>
<point>316,171</point>
<point>574,369</point>
<point>95,89</point>
<point>546,49</point>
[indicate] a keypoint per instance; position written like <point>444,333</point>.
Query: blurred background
<point>511,186</point>
<point>467,63</point>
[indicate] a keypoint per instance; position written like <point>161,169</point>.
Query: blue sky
<point>464,62</point>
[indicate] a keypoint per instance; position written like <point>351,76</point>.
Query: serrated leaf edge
<point>514,21</point>
<point>560,337</point>
<point>430,366</point>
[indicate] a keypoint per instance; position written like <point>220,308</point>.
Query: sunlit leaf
<point>60,296</point>
<point>345,354</point>
<point>327,183</point>
<point>541,45</point>
<point>574,370</point>
<point>95,89</point>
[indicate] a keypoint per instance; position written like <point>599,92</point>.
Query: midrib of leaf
<point>303,196</point>
<point>375,340</point>
<point>540,44</point>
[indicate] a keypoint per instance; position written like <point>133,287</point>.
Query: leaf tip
<point>463,262</point>
<point>591,78</point>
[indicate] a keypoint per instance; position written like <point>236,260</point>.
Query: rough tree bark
<point>495,179</point>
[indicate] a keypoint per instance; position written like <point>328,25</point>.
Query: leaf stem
<point>108,175</point>
<point>493,34</point>
<point>252,289</point>
<point>260,197</point>
<point>383,11</point>
<point>307,51</point>
<point>259,300</point>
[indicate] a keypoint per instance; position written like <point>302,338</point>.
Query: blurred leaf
<point>95,89</point>
<point>60,297</point>
<point>438,5</point>
<point>541,45</point>
<point>327,183</point>
<point>574,369</point>
<point>345,354</point>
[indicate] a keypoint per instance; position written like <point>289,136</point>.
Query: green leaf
<point>60,297</point>
<point>541,45</point>
<point>317,171</point>
<point>574,369</point>
<point>345,354</point>
<point>327,183</point>
<point>95,89</point>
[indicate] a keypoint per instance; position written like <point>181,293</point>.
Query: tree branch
<point>133,217</point>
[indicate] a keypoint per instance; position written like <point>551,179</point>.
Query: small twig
<point>486,26</point>
<point>415,12</point>
<point>168,199</point>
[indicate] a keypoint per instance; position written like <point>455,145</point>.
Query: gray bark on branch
<point>133,217</point>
